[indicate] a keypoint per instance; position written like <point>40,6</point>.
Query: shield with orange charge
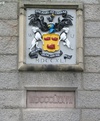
<point>51,42</point>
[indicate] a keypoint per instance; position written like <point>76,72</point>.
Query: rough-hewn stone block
<point>90,115</point>
<point>11,99</point>
<point>9,81</point>
<point>92,64</point>
<point>92,46</point>
<point>91,81</point>
<point>92,29</point>
<point>8,45</point>
<point>51,79</point>
<point>9,114</point>
<point>88,99</point>
<point>8,28</point>
<point>54,115</point>
<point>8,62</point>
<point>92,12</point>
<point>8,11</point>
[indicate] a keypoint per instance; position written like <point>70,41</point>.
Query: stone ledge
<point>84,1</point>
<point>50,79</point>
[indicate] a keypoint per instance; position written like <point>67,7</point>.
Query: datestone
<point>44,99</point>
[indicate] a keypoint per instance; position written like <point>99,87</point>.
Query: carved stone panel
<point>49,99</point>
<point>51,37</point>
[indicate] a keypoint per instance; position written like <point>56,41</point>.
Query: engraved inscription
<point>38,99</point>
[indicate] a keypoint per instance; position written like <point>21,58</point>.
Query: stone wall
<point>13,82</point>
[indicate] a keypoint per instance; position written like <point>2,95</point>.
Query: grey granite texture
<point>13,83</point>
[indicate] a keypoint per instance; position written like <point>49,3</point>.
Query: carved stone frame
<point>79,66</point>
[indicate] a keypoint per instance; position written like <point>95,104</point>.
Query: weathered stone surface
<point>90,1</point>
<point>90,115</point>
<point>8,62</point>
<point>9,81</point>
<point>50,99</point>
<point>92,12</point>
<point>9,0</point>
<point>84,1</point>
<point>54,115</point>
<point>50,79</point>
<point>92,64</point>
<point>9,114</point>
<point>87,94</point>
<point>88,99</point>
<point>92,46</point>
<point>11,99</point>
<point>92,29</point>
<point>8,28</point>
<point>8,11</point>
<point>8,45</point>
<point>91,81</point>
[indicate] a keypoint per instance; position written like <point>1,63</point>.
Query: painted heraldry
<point>51,37</point>
<point>49,31</point>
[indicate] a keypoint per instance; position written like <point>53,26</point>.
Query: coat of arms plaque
<point>52,37</point>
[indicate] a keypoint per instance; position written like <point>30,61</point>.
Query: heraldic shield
<point>51,42</point>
